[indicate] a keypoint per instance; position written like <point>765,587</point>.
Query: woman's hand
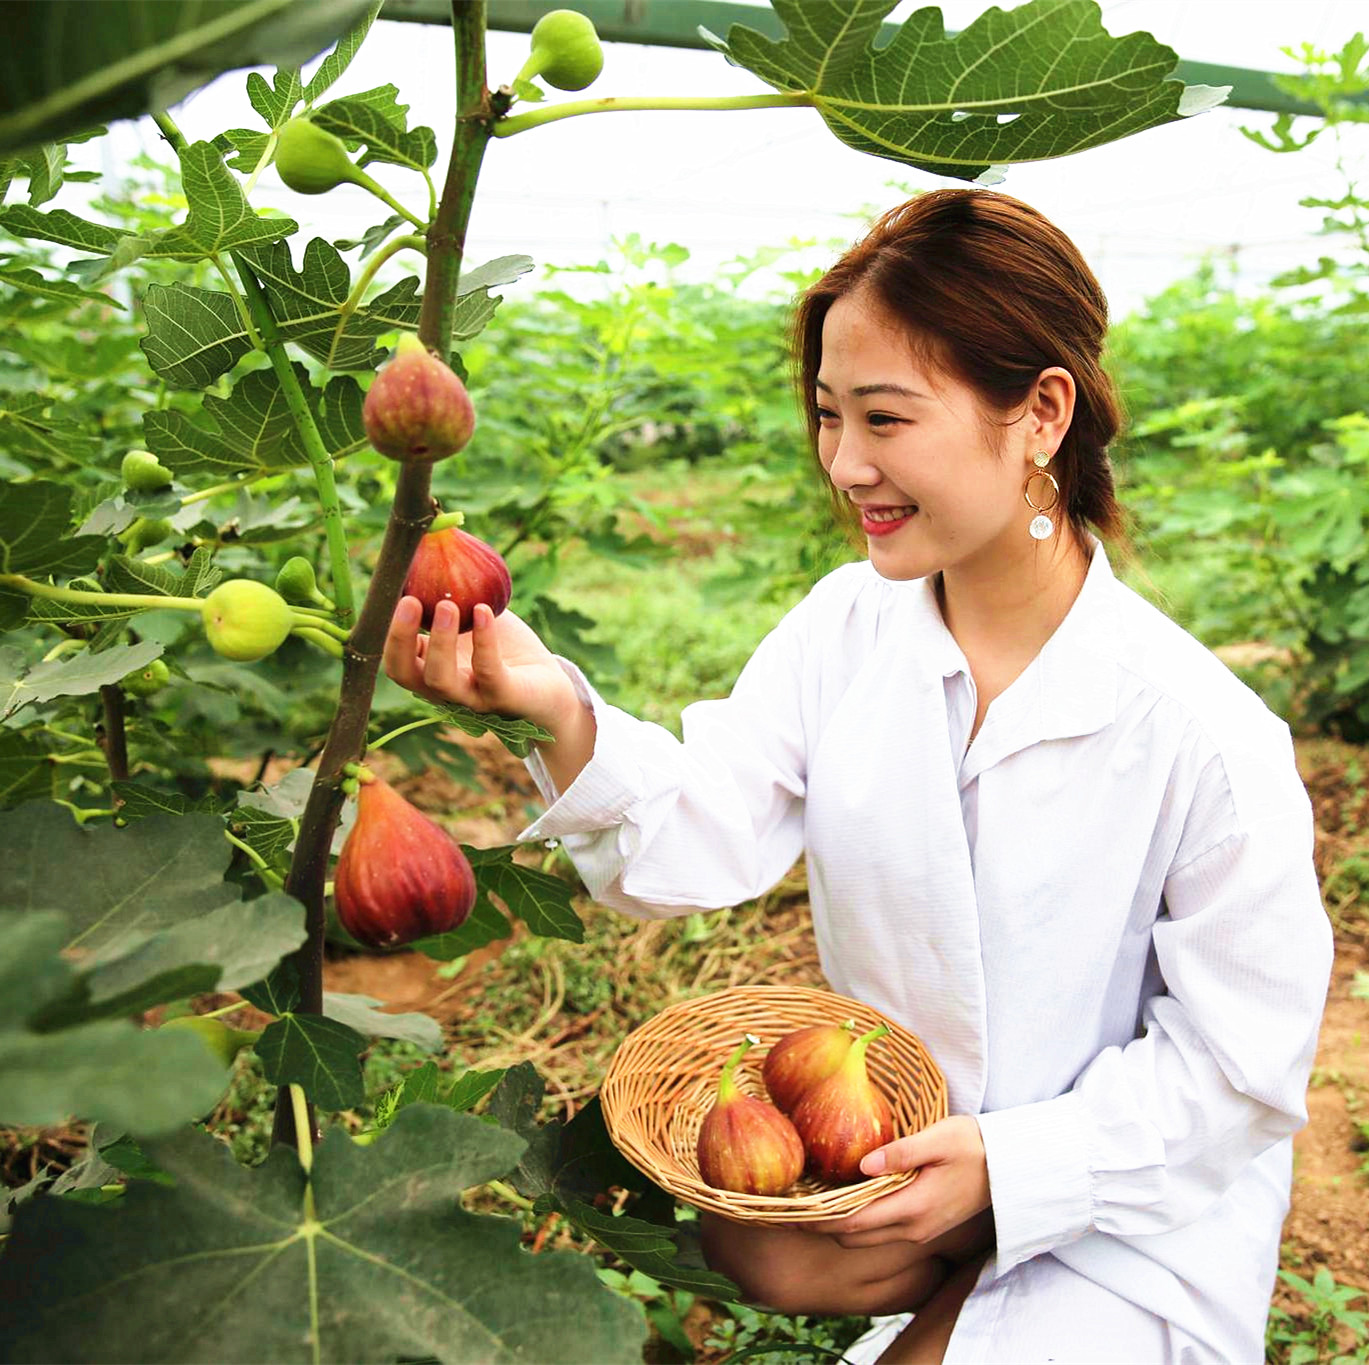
<point>499,665</point>
<point>952,1186</point>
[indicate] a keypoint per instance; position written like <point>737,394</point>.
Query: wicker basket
<point>663,1080</point>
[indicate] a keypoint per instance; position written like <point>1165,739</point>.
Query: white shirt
<point>1101,918</point>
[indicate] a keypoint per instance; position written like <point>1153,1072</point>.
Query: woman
<point>1045,829</point>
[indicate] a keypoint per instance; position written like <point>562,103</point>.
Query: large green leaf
<point>25,773</point>
<point>35,519</point>
<point>193,335</point>
<point>31,428</point>
<point>1038,81</point>
<point>252,428</point>
<point>374,121</point>
<point>340,58</point>
<point>68,63</point>
<point>116,886</point>
<point>220,218</point>
<point>320,1055</point>
<point>73,676</point>
<point>363,1013</point>
<point>370,1257</point>
<point>139,1079</point>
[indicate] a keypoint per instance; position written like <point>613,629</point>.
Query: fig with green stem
<point>246,620</point>
<point>566,52</point>
<point>745,1144</point>
<point>311,160</point>
<point>845,1116</point>
<point>417,409</point>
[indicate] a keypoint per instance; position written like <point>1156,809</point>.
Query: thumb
<point>902,1154</point>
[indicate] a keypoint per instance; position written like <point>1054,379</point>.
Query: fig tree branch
<point>410,516</point>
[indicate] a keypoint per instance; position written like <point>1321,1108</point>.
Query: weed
<point>1328,1331</point>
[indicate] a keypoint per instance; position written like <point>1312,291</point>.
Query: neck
<point>1018,608</point>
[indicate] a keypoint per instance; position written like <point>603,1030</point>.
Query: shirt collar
<point>1069,689</point>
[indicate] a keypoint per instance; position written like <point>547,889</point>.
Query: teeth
<point>890,513</point>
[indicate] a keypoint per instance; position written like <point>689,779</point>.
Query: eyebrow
<point>864,390</point>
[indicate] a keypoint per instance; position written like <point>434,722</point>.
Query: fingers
<point>442,672</point>
<point>487,664</point>
<point>404,647</point>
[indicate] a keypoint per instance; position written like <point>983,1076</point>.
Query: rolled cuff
<point>604,788</point>
<point>1039,1180</point>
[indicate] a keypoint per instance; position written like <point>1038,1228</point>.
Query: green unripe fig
<point>245,620</point>
<point>143,472</point>
<point>143,682</point>
<point>146,531</point>
<point>565,51</point>
<point>311,160</point>
<point>296,582</point>
<point>222,1040</point>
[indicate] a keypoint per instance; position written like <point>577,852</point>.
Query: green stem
<point>353,300</point>
<point>445,520</point>
<point>404,730</point>
<point>309,435</point>
<point>238,303</point>
<point>88,758</point>
<point>169,131</point>
<point>359,177</point>
<point>62,647</point>
<point>508,1192</point>
<point>269,875</point>
<point>268,152</point>
<point>64,734</point>
<point>230,486</point>
<point>324,642</point>
<point>727,1086</point>
<point>302,1128</point>
<point>77,596</point>
<point>534,118</point>
<point>316,622</point>
<point>82,813</point>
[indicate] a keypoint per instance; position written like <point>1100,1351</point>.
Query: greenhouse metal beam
<point>675,23</point>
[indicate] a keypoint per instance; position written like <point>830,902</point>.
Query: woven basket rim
<point>653,1093</point>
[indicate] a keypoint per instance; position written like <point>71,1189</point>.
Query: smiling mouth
<point>888,513</point>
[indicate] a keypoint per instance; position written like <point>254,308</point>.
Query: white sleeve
<point>1152,1133</point>
<point>657,826</point>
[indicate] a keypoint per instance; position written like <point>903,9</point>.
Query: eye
<point>883,419</point>
<point>824,415</point>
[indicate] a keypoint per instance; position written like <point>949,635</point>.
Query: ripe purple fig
<point>844,1116</point>
<point>453,566</point>
<point>417,409</point>
<point>801,1059</point>
<point>746,1144</point>
<point>400,875</point>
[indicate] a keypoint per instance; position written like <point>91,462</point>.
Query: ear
<point>1050,409</point>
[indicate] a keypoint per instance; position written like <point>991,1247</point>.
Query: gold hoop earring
<point>1041,525</point>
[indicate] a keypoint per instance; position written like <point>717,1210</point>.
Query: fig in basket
<point>845,1116</point>
<point>801,1059</point>
<point>746,1144</point>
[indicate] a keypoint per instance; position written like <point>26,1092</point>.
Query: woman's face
<point>908,446</point>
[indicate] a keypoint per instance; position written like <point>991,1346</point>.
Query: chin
<point>901,568</point>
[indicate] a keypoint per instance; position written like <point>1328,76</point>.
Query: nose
<point>849,466</point>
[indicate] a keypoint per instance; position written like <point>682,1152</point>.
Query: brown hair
<point>993,293</point>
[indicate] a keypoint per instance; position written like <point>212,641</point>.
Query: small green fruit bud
<point>245,620</point>
<point>310,160</point>
<point>143,472</point>
<point>143,682</point>
<point>565,51</point>
<point>296,582</point>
